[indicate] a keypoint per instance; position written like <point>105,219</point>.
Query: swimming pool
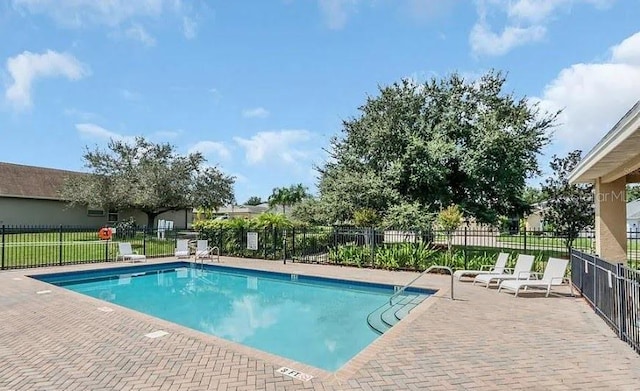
<point>317,321</point>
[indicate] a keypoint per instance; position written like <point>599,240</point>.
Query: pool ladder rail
<point>209,251</point>
<point>387,315</point>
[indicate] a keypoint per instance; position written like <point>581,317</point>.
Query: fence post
<point>3,238</point>
<point>525,238</point>
<point>274,243</point>
<point>264,243</point>
<point>293,243</point>
<point>60,245</point>
<point>144,240</point>
<point>303,253</point>
<point>284,246</point>
<point>622,314</point>
<point>372,237</point>
<point>465,247</point>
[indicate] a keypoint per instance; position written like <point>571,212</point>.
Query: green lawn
<point>546,242</point>
<point>18,250</point>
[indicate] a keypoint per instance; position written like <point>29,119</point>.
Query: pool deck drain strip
<point>156,334</point>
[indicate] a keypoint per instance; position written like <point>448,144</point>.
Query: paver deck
<point>483,340</point>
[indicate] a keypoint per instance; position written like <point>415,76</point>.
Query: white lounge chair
<point>498,268</point>
<point>126,253</point>
<point>521,270</point>
<point>202,249</point>
<point>182,248</point>
<point>553,276</point>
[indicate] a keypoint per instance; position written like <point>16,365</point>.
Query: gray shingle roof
<point>18,180</point>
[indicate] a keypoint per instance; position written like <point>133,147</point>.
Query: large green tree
<point>149,177</point>
<point>569,207</point>
<point>444,142</point>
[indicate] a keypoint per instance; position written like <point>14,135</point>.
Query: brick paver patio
<point>480,341</point>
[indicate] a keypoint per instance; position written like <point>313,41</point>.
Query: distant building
<point>31,196</point>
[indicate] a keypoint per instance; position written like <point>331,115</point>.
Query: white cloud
<point>96,132</point>
<point>536,11</point>
<point>258,112</point>
<point>27,67</point>
<point>485,41</point>
<point>283,145</point>
<point>594,96</point>
<point>112,14</point>
<point>81,114</point>
<point>129,95</point>
<point>525,22</point>
<point>336,12</point>
<point>80,13</point>
<point>138,33</point>
<point>189,27</point>
<point>167,134</point>
<point>211,147</point>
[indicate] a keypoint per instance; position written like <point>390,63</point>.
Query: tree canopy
<point>633,192</point>
<point>149,177</point>
<point>253,201</point>
<point>444,142</point>
<point>570,207</point>
<point>287,196</point>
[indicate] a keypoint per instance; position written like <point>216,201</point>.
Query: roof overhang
<point>617,155</point>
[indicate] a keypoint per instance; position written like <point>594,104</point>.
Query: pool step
<point>384,317</point>
<point>404,311</point>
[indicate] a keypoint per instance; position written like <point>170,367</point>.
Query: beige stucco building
<point>610,165</point>
<point>30,196</point>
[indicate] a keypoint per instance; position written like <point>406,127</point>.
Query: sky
<point>260,86</point>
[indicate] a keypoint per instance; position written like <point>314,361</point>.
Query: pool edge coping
<point>338,377</point>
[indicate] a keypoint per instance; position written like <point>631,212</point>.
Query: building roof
<point>633,210</point>
<point>22,181</point>
<point>616,155</point>
<point>257,209</point>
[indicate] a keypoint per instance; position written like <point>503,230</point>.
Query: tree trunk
<point>151,219</point>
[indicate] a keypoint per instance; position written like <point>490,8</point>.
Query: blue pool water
<point>317,321</point>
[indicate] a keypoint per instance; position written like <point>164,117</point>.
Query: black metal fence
<point>612,290</point>
<point>32,246</point>
<point>35,246</point>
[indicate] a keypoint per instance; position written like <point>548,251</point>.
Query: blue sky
<point>260,86</point>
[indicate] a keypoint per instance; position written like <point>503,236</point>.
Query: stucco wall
<point>181,219</point>
<point>24,211</point>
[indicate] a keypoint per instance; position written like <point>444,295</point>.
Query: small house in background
<point>235,211</point>
<point>633,219</point>
<point>30,196</point>
<point>534,221</point>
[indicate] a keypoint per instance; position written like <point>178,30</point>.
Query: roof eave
<point>608,142</point>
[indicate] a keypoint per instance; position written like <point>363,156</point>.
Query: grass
<point>19,250</point>
<point>546,242</point>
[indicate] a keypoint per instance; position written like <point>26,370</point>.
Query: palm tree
<point>287,196</point>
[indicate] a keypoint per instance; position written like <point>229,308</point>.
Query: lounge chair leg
<point>517,289</point>
<point>548,290</point>
<point>571,288</point>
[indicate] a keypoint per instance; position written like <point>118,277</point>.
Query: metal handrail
<point>209,251</point>
<point>422,274</point>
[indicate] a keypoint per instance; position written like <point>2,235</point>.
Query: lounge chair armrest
<point>560,279</point>
<point>487,267</point>
<point>526,275</point>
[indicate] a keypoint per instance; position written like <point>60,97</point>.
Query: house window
<point>92,212</point>
<point>112,217</point>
